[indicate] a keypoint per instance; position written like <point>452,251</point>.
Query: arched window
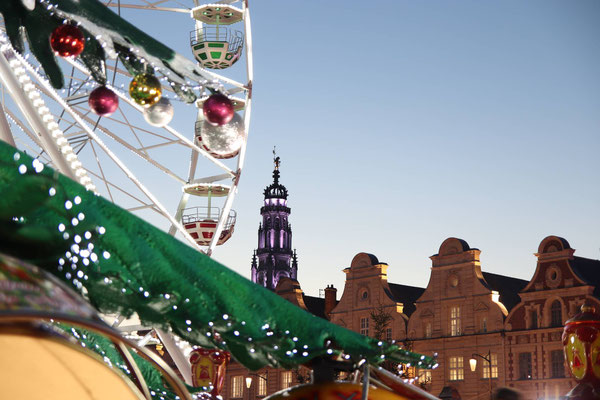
<point>555,313</point>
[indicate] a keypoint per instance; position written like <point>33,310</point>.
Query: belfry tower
<point>275,256</point>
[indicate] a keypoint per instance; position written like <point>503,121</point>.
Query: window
<point>555,314</point>
<point>455,321</point>
<point>486,367</point>
<point>558,361</point>
<point>388,334</point>
<point>261,389</point>
<point>428,329</point>
<point>364,326</point>
<point>533,320</point>
<point>286,379</point>
<point>424,376</point>
<point>456,369</point>
<point>237,386</point>
<point>484,324</point>
<point>524,365</point>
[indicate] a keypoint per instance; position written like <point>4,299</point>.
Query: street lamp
<point>249,381</point>
<point>473,365</point>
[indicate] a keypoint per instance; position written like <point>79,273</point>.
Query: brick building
<point>514,323</point>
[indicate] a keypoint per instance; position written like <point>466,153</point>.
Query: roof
<point>588,270</point>
<point>315,305</point>
<point>407,295</point>
<point>508,288</point>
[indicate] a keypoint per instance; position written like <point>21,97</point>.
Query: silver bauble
<point>29,4</point>
<point>160,114</point>
<point>223,140</point>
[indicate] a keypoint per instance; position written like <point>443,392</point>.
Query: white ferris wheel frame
<point>15,72</point>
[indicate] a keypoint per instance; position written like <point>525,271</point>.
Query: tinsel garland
<point>124,265</point>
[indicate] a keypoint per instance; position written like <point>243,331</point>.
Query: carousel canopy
<point>121,264</point>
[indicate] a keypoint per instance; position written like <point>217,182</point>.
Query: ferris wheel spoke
<point>102,177</point>
<point>141,154</point>
<point>124,192</point>
<point>133,132</point>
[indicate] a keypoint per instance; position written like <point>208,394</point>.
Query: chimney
<point>330,299</point>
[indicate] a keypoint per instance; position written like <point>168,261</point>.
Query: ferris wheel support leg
<point>181,362</point>
<point>8,79</point>
<point>5,133</point>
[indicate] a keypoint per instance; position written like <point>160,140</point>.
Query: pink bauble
<point>103,101</point>
<point>218,109</point>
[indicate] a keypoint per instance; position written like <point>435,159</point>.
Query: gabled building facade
<point>461,313</point>
<point>366,292</point>
<point>533,344</point>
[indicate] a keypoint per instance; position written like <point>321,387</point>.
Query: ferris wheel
<point>186,143</point>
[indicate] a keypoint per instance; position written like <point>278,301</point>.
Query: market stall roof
<point>124,265</point>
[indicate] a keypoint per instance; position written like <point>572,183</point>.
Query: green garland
<point>126,266</point>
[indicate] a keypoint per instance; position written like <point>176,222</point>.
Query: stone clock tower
<point>274,257</point>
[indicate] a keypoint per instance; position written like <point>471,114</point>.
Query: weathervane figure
<point>276,160</point>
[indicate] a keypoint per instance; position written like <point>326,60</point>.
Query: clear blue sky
<point>402,123</point>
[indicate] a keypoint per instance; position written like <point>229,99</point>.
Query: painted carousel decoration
<point>208,369</point>
<point>581,340</point>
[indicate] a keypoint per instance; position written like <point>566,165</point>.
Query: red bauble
<point>67,40</point>
<point>103,101</point>
<point>218,109</point>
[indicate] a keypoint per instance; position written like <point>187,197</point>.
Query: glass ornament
<point>218,109</point>
<point>225,139</point>
<point>160,114</point>
<point>28,4</point>
<point>145,89</point>
<point>67,40</point>
<point>103,101</point>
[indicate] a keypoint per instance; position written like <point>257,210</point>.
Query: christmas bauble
<point>103,101</point>
<point>218,109</point>
<point>145,89</point>
<point>29,4</point>
<point>225,139</point>
<point>67,40</point>
<point>159,114</point>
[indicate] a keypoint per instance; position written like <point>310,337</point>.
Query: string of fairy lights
<point>16,63</point>
<point>85,254</point>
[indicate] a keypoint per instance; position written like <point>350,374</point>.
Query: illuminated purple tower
<point>275,256</point>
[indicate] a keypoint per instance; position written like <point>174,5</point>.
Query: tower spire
<point>275,256</point>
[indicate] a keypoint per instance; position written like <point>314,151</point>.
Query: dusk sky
<point>403,123</point>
